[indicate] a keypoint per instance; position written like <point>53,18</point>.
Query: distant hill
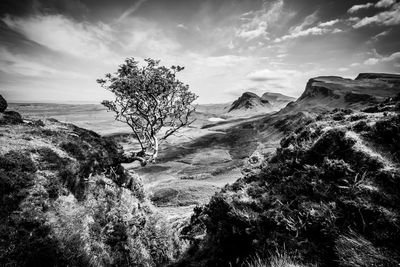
<point>327,92</point>
<point>277,100</point>
<point>277,97</point>
<point>250,104</point>
<point>249,101</point>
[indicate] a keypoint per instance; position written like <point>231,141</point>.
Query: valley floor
<point>192,166</point>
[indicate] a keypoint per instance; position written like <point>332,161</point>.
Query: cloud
<point>271,75</point>
<point>353,19</point>
<point>106,43</point>
<point>219,61</point>
<point>329,23</point>
<point>309,20</point>
<point>385,3</point>
<point>145,38</point>
<point>372,61</point>
<point>16,64</point>
<point>379,36</point>
<point>380,4</point>
<point>304,30</point>
<point>257,22</point>
<point>182,26</point>
<point>281,80</point>
<point>62,34</point>
<point>386,18</point>
<point>131,10</point>
<point>317,30</point>
<point>357,8</point>
<point>382,59</point>
<point>307,32</point>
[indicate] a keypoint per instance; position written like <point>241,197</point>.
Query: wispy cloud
<point>379,36</point>
<point>131,10</point>
<point>329,23</point>
<point>357,8</point>
<point>377,58</point>
<point>308,21</point>
<point>62,34</point>
<point>182,26</point>
<point>220,61</point>
<point>21,65</point>
<point>394,57</point>
<point>379,4</point>
<point>256,23</point>
<point>387,18</point>
<point>385,3</point>
<point>271,75</point>
<point>320,29</point>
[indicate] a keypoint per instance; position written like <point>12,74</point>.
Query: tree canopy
<point>151,100</point>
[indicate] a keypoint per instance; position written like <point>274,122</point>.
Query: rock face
<point>3,104</point>
<point>387,77</point>
<point>327,92</point>
<point>249,101</point>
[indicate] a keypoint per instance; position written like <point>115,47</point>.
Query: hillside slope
<point>66,201</point>
<point>329,196</point>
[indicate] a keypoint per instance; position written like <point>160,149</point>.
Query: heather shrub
<point>326,196</point>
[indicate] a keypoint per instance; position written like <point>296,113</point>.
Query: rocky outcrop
<point>3,104</point>
<point>387,77</point>
<point>249,101</point>
<point>8,116</point>
<point>329,92</point>
<point>319,88</point>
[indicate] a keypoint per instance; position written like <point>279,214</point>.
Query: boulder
<point>3,104</point>
<point>10,117</point>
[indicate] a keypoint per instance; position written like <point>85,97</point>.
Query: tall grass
<point>276,260</point>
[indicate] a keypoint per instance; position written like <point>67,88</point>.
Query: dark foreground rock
<point>10,117</point>
<point>3,104</point>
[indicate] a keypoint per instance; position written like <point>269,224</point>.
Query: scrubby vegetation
<point>66,201</point>
<point>329,196</point>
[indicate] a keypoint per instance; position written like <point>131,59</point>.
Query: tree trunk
<point>155,154</point>
<point>133,157</point>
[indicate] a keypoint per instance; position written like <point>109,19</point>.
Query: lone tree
<point>152,101</point>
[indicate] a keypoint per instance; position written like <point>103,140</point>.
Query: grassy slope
<point>65,201</point>
<point>329,196</point>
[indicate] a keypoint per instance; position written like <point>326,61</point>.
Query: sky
<point>54,50</point>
